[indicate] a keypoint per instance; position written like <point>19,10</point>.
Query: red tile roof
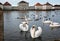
<point>7,4</point>
<point>38,4</point>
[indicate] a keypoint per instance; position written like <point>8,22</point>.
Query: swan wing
<point>32,32</point>
<point>54,25</point>
<point>38,32</point>
<point>20,26</point>
<point>23,28</point>
<point>27,27</point>
<point>47,21</point>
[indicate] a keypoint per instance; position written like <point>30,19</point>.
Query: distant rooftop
<point>1,3</point>
<point>56,5</point>
<point>23,2</point>
<point>38,4</point>
<point>7,4</point>
<point>48,4</point>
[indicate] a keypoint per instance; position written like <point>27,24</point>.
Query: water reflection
<point>35,39</point>
<point>22,14</point>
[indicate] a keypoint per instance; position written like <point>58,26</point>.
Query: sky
<point>31,2</point>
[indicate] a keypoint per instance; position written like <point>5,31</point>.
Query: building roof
<point>48,4</point>
<point>23,2</point>
<point>7,4</point>
<point>38,4</point>
<point>1,3</point>
<point>56,5</point>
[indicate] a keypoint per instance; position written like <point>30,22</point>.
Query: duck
<point>54,24</point>
<point>35,33</point>
<point>24,26</point>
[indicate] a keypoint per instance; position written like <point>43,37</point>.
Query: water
<point>12,21</point>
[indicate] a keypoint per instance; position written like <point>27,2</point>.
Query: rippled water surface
<point>12,21</point>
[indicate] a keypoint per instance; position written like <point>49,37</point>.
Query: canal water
<point>12,19</point>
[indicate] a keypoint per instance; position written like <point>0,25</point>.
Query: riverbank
<point>1,26</point>
<point>33,10</point>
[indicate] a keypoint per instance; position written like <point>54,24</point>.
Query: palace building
<point>23,5</point>
<point>7,6</point>
<point>57,6</point>
<point>47,6</point>
<point>38,6</point>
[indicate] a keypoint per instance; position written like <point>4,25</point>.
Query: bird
<point>47,21</point>
<point>36,17</point>
<point>26,20</point>
<point>35,33</point>
<point>54,24</point>
<point>24,26</point>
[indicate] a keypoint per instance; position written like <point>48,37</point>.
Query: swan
<point>26,20</point>
<point>35,34</point>
<point>36,17</point>
<point>29,19</point>
<point>54,24</point>
<point>47,21</point>
<point>24,26</point>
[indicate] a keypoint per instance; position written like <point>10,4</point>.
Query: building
<point>1,6</point>
<point>31,7</point>
<point>14,8</point>
<point>23,5</point>
<point>7,6</point>
<point>57,7</point>
<point>47,6</point>
<point>38,6</point>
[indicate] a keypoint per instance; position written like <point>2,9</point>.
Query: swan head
<point>24,23</point>
<point>33,26</point>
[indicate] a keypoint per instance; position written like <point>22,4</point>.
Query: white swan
<point>26,20</point>
<point>54,24</point>
<point>36,17</point>
<point>48,21</point>
<point>29,19</point>
<point>35,34</point>
<point>23,26</point>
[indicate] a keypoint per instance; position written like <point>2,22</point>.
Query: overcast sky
<point>31,2</point>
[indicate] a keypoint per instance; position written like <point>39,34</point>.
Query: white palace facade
<point>23,5</point>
